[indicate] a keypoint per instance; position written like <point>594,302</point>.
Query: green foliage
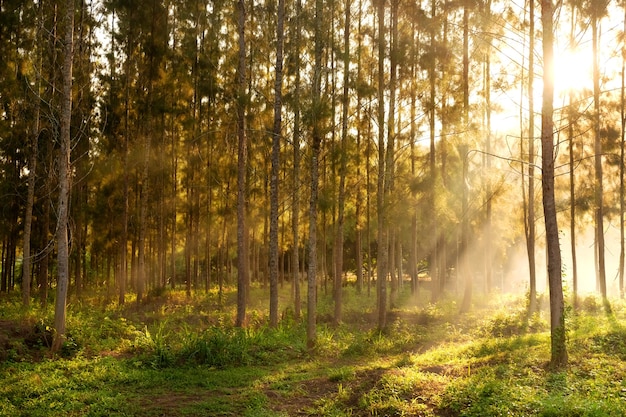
<point>181,358</point>
<point>218,346</point>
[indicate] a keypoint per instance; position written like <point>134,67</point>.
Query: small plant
<point>345,373</point>
<point>217,347</point>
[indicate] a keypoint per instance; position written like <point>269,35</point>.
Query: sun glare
<point>573,71</point>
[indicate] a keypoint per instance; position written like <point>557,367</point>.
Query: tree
<point>276,139</point>
<point>358,203</point>
<point>242,159</point>
<point>295,210</point>
<point>597,11</point>
<point>65,176</point>
<point>622,205</point>
<point>345,103</point>
<point>529,223</point>
<point>467,294</point>
<point>382,234</point>
<point>32,167</point>
<point>316,144</point>
<point>390,152</point>
<point>571,116</point>
<point>433,177</point>
<point>557,306</point>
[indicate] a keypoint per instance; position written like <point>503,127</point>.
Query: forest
<point>329,207</point>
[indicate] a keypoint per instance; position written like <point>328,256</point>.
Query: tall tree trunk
<point>345,103</point>
<point>317,136</point>
<point>467,294</point>
<point>32,164</point>
<point>530,217</point>
<point>489,203</point>
<point>123,277</point>
<point>390,155</point>
<point>242,162</point>
<point>621,165</point>
<point>383,236</point>
<point>413,259</point>
<point>295,219</point>
<point>65,176</point>
<point>599,189</point>
<point>368,198</point>
<point>358,227</point>
<point>434,239</point>
<point>32,177</point>
<point>557,307</point>
<point>570,134</point>
<point>276,136</point>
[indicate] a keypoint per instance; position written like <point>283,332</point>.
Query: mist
<point>514,276</point>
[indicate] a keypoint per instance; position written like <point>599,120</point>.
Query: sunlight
<point>573,69</point>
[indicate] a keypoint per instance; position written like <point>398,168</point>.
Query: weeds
<point>175,356</point>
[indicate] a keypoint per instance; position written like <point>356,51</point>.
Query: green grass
<point>183,357</point>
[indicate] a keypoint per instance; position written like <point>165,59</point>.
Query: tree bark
<point>295,218</point>
<point>276,136</point>
<point>599,189</point>
<point>358,235</point>
<point>30,198</point>
<point>571,119</point>
<point>242,161</point>
<point>464,269</point>
<point>557,308</point>
<point>390,154</point>
<point>434,255</point>
<point>65,176</point>
<point>621,166</point>
<point>317,136</point>
<point>345,103</point>
<point>382,236</point>
<point>530,218</point>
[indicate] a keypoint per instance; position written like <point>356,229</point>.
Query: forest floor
<point>179,356</point>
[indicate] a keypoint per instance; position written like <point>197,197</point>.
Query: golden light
<point>573,71</point>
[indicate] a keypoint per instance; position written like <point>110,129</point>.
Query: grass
<point>179,356</point>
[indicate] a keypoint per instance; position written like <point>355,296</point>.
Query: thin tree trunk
<point>30,199</point>
<point>621,166</point>
<point>390,155</point>
<point>570,134</point>
<point>488,205</point>
<point>276,136</point>
<point>65,176</point>
<point>126,209</point>
<point>358,226</point>
<point>295,219</point>
<point>599,189</point>
<point>315,153</point>
<point>368,200</point>
<point>413,259</point>
<point>339,236</point>
<point>434,240</point>
<point>530,218</point>
<point>383,237</point>
<point>467,295</point>
<point>557,307</point>
<point>242,161</point>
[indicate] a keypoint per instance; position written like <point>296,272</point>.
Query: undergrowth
<point>178,356</point>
